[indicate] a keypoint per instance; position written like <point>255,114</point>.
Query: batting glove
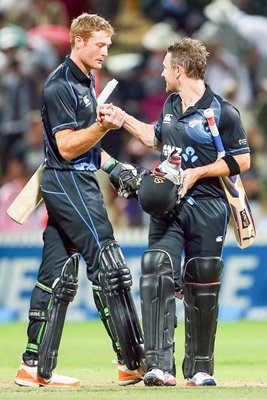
<point>123,177</point>
<point>170,169</point>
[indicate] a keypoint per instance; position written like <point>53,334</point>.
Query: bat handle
<point>209,115</point>
<point>106,92</point>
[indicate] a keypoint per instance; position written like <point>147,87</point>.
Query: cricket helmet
<point>157,195</point>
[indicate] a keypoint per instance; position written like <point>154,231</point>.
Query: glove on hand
<point>170,169</point>
<point>123,177</point>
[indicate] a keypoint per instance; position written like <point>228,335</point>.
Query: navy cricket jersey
<point>69,101</point>
<point>189,133</point>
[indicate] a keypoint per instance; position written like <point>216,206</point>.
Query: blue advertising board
<point>243,292</point>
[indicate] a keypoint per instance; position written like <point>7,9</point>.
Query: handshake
<point>126,179</point>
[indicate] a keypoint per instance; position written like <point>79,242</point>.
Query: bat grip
<point>106,92</point>
<point>209,115</point>
<point>219,146</point>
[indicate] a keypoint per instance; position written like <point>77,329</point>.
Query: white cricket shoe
<point>202,379</point>
<point>27,376</point>
<point>157,377</point>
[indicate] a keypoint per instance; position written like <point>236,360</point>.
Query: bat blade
<point>28,199</point>
<point>31,195</point>
<point>240,213</point>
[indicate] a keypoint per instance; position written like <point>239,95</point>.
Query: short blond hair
<point>85,24</point>
<point>190,54</point>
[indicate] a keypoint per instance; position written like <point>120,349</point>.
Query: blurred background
<point>34,39</point>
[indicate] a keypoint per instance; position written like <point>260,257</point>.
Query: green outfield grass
<point>240,368</point>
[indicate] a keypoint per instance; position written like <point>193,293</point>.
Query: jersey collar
<point>79,75</point>
<point>206,99</point>
<point>202,103</point>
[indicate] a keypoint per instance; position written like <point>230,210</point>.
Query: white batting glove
<point>169,172</point>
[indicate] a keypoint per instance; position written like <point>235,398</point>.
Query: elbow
<point>66,154</point>
<point>245,165</point>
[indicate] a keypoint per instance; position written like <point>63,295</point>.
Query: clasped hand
<point>110,116</point>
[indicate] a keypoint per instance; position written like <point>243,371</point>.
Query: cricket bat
<point>240,212</point>
<point>31,195</point>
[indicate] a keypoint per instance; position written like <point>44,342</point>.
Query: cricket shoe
<point>27,376</point>
<point>202,379</point>
<point>126,376</point>
<point>157,377</point>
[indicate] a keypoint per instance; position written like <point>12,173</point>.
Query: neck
<point>79,63</point>
<point>192,92</point>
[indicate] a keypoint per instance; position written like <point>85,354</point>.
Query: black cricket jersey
<point>189,133</point>
<point>69,101</point>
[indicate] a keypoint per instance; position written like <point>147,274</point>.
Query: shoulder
<point>171,100</point>
<point>228,113</point>
<point>57,82</point>
<point>226,108</point>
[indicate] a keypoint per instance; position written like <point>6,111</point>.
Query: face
<point>171,75</point>
<point>90,54</point>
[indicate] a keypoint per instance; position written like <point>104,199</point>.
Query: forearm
<point>104,157</point>
<point>140,130</point>
<point>216,169</point>
<point>220,168</point>
<point>72,144</point>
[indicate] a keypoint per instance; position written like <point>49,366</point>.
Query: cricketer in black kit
<point>78,223</point>
<point>196,226</point>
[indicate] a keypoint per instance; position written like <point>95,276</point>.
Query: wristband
<point>232,164</point>
<point>109,165</point>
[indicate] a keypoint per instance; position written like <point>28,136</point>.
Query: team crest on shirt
<point>86,101</point>
<point>167,118</point>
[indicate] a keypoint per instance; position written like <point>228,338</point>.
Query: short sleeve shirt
<point>69,101</point>
<point>189,133</point>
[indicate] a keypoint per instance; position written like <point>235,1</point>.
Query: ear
<point>79,42</point>
<point>178,71</point>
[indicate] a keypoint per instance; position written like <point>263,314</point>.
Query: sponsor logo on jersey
<point>242,142</point>
<point>190,154</point>
<point>86,101</point>
<point>194,123</point>
<point>168,150</point>
<point>167,119</point>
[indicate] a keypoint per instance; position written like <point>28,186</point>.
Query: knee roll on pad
<point>203,269</point>
<point>63,292</point>
<point>157,261</point>
<point>201,293</point>
<point>116,280</point>
<point>158,309</point>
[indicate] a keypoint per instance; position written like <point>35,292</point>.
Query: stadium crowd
<point>34,38</point>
